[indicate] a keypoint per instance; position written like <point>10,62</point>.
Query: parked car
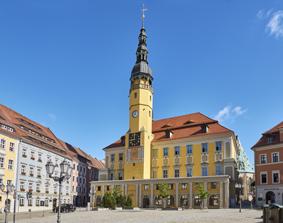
<point>66,208</point>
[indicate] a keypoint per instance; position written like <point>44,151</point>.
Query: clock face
<point>134,139</point>
<point>135,113</point>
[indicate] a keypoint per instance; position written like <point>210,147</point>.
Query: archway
<point>213,201</point>
<point>270,197</point>
<point>8,205</point>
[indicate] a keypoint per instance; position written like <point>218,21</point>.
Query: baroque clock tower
<point>139,137</point>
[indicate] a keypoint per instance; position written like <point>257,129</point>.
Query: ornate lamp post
<point>65,174</point>
<point>239,186</point>
<point>9,189</point>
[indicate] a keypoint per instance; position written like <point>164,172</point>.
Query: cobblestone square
<point>155,216</point>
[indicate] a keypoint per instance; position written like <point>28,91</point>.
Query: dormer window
<point>168,134</point>
<point>204,128</point>
<point>269,139</point>
<point>189,122</point>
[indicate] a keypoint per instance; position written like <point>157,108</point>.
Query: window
<point>165,173</point>
<point>38,173</point>
<point>263,158</point>
<point>32,155</point>
<point>12,146</point>
<point>120,176</point>
<point>31,171</point>
<point>23,170</point>
<point>30,187</point>
<point>184,186</point>
<point>269,139</point>
<point>218,170</point>
<point>22,186</point>
<point>263,178</point>
<point>22,201</point>
<point>39,157</point>
<point>204,171</point>
<point>276,177</point>
<point>136,94</point>
<point>120,156</point>
<point>10,164</point>
<point>154,174</point>
<point>24,153</point>
<point>46,203</point>
<point>146,187</point>
<point>38,188</point>
<point>165,152</point>
<point>112,157</point>
<point>177,150</point>
<point>3,143</point>
<point>189,149</point>
<point>37,201</point>
<point>204,147</point>
<point>275,157</point>
<point>189,171</point>
<point>154,153</point>
<point>213,185</point>
<point>177,172</point>
<point>30,202</point>
<point>218,146</point>
<point>98,188</point>
<point>2,162</point>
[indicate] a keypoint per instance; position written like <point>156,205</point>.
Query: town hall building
<point>184,152</point>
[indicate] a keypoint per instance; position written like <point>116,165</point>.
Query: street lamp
<point>239,186</point>
<point>9,189</point>
<point>65,174</point>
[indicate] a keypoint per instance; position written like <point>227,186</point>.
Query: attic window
<point>188,122</point>
<point>168,134</point>
<point>166,126</point>
<point>270,139</point>
<point>204,128</point>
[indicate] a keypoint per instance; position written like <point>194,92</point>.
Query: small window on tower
<point>136,94</point>
<point>150,97</point>
<point>149,113</point>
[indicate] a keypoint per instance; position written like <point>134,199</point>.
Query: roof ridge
<point>194,113</point>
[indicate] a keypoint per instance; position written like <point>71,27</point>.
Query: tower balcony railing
<point>143,86</point>
<point>204,158</point>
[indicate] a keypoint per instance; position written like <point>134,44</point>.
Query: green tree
<point>108,201</point>
<point>164,193</point>
<point>202,193</point>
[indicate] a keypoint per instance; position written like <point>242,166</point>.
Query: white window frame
<point>260,155</point>
<point>276,171</point>
<point>261,173</point>
<point>278,157</point>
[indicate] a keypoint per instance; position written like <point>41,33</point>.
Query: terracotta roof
<point>184,126</point>
<point>274,132</point>
<point>97,163</point>
<point>31,131</point>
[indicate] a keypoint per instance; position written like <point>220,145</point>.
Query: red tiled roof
<point>184,126</point>
<point>274,132</point>
<point>31,131</point>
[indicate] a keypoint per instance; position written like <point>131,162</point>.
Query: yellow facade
<point>8,171</point>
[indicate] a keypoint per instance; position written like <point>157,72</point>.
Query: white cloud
<point>229,113</point>
<point>274,21</point>
<point>275,24</point>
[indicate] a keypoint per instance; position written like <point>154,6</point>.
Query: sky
<point>66,64</point>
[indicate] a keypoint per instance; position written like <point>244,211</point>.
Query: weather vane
<point>143,15</point>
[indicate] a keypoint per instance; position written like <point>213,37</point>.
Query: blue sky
<point>66,64</point>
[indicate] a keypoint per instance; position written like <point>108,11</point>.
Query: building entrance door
<point>145,202</point>
<point>270,197</point>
